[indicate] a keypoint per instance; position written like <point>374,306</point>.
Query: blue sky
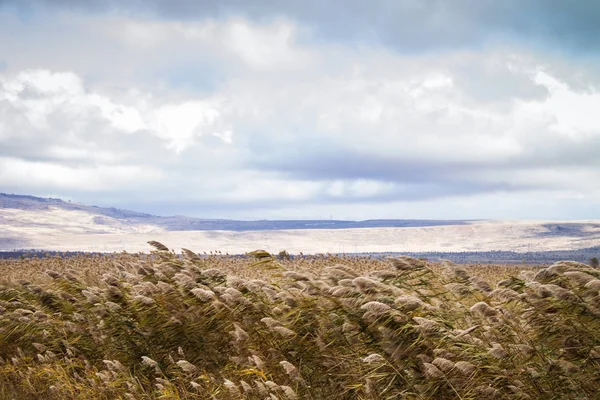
<point>268,109</point>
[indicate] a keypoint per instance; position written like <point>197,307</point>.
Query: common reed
<point>190,326</point>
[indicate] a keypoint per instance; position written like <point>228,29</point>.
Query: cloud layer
<point>399,110</point>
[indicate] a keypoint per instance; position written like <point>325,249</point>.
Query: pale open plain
<point>75,230</point>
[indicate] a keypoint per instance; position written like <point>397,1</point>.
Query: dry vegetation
<point>161,326</point>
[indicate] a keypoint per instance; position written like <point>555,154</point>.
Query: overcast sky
<point>271,109</point>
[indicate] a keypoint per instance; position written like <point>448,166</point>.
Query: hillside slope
<point>28,222</point>
<point>107,218</point>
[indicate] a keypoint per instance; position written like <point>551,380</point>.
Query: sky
<point>464,109</point>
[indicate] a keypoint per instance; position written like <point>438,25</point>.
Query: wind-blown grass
<point>170,327</point>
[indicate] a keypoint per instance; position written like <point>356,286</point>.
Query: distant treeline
<point>462,257</point>
<point>509,257</point>
<point>42,254</point>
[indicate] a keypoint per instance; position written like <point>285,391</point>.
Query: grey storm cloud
<point>333,161</point>
<point>406,25</point>
<point>420,176</point>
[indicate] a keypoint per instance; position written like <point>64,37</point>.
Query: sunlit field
<point>188,326</point>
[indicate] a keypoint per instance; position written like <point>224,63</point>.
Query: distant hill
<point>115,216</point>
<point>26,202</point>
<point>28,222</point>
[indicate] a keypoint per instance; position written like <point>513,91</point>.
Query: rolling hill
<point>28,222</point>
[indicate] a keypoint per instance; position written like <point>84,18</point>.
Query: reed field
<point>189,326</point>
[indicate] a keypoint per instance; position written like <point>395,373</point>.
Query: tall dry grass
<point>161,326</point>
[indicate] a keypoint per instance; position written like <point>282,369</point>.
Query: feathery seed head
<point>483,309</point>
<point>373,358</point>
<point>465,367</point>
<point>285,332</point>
<point>405,263</point>
<point>147,361</point>
<point>203,294</point>
<point>376,308</point>
<point>443,364</point>
<point>498,351</point>
<point>186,366</point>
<point>431,371</point>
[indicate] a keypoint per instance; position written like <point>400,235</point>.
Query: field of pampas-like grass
<point>190,326</point>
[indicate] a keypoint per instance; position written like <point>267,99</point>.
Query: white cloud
<point>405,130</point>
<point>574,112</point>
<point>122,117</point>
<point>58,104</point>
<point>179,123</point>
<point>268,47</point>
<point>53,176</point>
